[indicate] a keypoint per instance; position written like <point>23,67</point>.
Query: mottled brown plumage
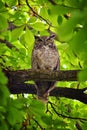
<point>45,57</point>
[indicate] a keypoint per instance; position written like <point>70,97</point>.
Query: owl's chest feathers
<point>46,57</point>
<point>45,53</point>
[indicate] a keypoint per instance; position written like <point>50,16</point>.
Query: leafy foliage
<point>20,21</point>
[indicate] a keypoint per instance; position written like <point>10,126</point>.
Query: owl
<point>45,57</point>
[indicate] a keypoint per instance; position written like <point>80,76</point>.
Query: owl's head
<point>44,41</point>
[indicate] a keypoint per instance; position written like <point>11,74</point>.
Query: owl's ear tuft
<point>53,35</point>
<point>36,37</point>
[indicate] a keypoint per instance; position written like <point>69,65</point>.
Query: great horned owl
<point>45,57</point>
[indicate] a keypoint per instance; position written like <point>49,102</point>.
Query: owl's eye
<point>40,39</point>
<point>50,45</point>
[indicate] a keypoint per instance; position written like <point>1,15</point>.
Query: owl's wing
<point>34,61</point>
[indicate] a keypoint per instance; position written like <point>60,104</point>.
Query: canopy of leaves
<point>20,22</point>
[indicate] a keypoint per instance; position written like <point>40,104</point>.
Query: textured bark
<point>16,83</point>
<point>71,93</point>
<point>25,75</point>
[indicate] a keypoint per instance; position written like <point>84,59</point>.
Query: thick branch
<point>71,93</point>
<point>25,75</point>
<point>17,78</point>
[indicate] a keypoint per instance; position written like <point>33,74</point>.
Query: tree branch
<point>38,124</point>
<point>37,15</point>
<point>71,93</point>
<point>8,44</point>
<point>65,116</point>
<point>16,83</point>
<point>78,125</point>
<point>25,75</point>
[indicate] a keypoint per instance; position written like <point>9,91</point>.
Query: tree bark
<point>71,93</point>
<point>16,83</point>
<point>25,75</point>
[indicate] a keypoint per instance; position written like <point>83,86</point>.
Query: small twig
<point>38,124</point>
<point>37,15</point>
<point>19,2</point>
<point>78,125</point>
<point>47,109</point>
<point>1,57</point>
<point>8,44</point>
<point>52,2</point>
<point>64,116</point>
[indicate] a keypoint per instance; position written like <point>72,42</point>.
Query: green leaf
<point>17,126</point>
<point>29,39</point>
<point>11,2</point>
<point>11,116</point>
<point>21,18</point>
<point>47,120</point>
<point>2,109</point>
<point>36,107</point>
<point>63,129</point>
<point>2,8</point>
<point>3,125</point>
<point>60,9</point>
<point>84,126</point>
<point>73,3</point>
<point>60,122</point>
<point>60,19</point>
<point>3,79</point>
<point>14,115</point>
<point>44,13</point>
<point>44,33</point>
<point>38,104</point>
<point>3,22</point>
<point>82,75</point>
<point>66,30</point>
<point>18,103</point>
<point>22,52</point>
<point>22,40</point>
<point>79,45</point>
<point>16,33</point>
<point>78,40</point>
<point>38,26</point>
<point>32,19</point>
<point>4,94</point>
